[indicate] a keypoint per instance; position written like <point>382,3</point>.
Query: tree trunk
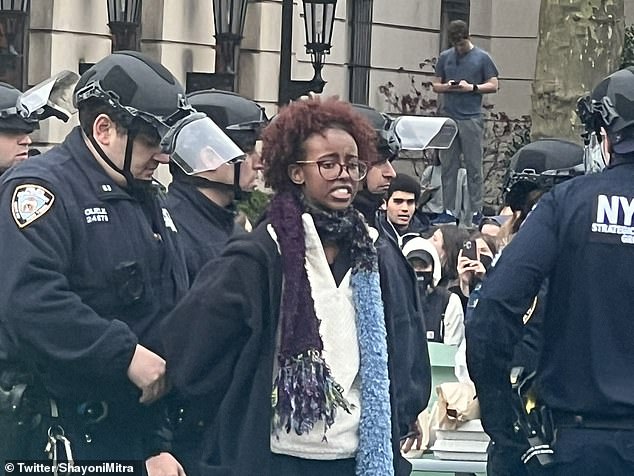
<point>580,42</point>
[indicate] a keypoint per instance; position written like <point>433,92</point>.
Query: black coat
<point>417,226</point>
<point>203,227</point>
<point>579,236</point>
<point>228,325</point>
<point>85,282</point>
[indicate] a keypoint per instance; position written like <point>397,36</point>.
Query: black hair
<point>458,30</point>
<point>488,239</point>
<point>91,108</point>
<point>404,183</point>
<point>453,239</point>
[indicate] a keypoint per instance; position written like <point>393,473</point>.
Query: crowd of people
<point>146,324</point>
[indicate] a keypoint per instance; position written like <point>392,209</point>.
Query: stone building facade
<point>382,54</point>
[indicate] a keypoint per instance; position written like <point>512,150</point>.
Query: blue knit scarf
<point>304,390</point>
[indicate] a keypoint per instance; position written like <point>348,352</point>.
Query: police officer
<point>580,236</point>
<point>203,204</point>
<point>533,171</point>
<point>91,265</point>
<point>410,374</point>
<point>380,173</point>
<point>14,129</point>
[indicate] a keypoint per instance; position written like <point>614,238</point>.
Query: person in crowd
<point>203,204</point>
<point>442,309</point>
<point>472,269</point>
<point>579,237</point>
<point>400,220</point>
<point>92,265</point>
<point>448,241</point>
<point>464,73</point>
<point>14,129</point>
<point>284,335</point>
<point>492,225</point>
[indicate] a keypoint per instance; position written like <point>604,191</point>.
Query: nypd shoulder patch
<point>29,203</point>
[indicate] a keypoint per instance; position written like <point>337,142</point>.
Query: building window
<point>451,10</point>
<point>360,48</point>
<point>13,30</point>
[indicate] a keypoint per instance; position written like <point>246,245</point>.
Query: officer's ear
<point>104,129</point>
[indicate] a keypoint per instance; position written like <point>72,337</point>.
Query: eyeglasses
<point>332,170</point>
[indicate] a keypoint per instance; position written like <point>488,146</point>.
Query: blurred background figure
<point>474,260</point>
<point>491,225</point>
<point>448,241</point>
<point>442,309</point>
<point>464,73</point>
<point>14,129</point>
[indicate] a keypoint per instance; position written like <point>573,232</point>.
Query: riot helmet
<point>10,119</point>
<point>136,88</point>
<point>240,118</point>
<point>408,133</point>
<point>388,143</point>
<point>541,165</point>
<point>21,112</point>
<point>611,106</point>
<point>145,98</point>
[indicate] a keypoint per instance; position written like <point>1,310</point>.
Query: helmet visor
<point>51,97</point>
<point>420,133</point>
<point>196,144</point>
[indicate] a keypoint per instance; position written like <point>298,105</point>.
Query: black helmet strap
<point>237,191</point>
<point>103,155</point>
<point>127,163</point>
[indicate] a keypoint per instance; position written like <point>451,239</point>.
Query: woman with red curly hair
<point>283,338</point>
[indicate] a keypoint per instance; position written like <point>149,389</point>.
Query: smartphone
<point>470,250</point>
<point>453,82</point>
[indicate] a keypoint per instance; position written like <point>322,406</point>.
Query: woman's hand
<point>467,268</point>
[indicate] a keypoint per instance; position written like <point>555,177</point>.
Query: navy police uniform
<point>204,227</point>
<point>89,269</point>
<point>581,236</point>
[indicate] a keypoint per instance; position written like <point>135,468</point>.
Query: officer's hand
<point>164,464</point>
<point>414,437</point>
<point>147,372</point>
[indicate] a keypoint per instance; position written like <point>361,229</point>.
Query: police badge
<point>29,203</point>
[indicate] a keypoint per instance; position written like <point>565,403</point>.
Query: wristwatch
<point>475,87</point>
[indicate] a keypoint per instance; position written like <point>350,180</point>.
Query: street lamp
<point>13,15</point>
<point>124,19</point>
<point>229,18</point>
<point>319,18</point>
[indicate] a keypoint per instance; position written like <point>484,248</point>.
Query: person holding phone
<point>464,73</point>
<point>474,259</point>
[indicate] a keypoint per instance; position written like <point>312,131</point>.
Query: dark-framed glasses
<point>332,169</point>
